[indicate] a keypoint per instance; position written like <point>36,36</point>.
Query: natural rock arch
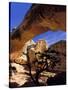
<point>40,18</point>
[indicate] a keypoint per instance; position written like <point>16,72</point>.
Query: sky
<point>17,14</point>
<point>51,37</point>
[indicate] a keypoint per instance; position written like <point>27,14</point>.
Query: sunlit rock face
<point>23,57</point>
<point>28,43</point>
<point>41,46</point>
<point>18,74</point>
<point>19,57</point>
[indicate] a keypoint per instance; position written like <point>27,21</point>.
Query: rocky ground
<point>20,78</point>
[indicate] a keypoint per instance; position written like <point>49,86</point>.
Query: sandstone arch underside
<point>40,18</point>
